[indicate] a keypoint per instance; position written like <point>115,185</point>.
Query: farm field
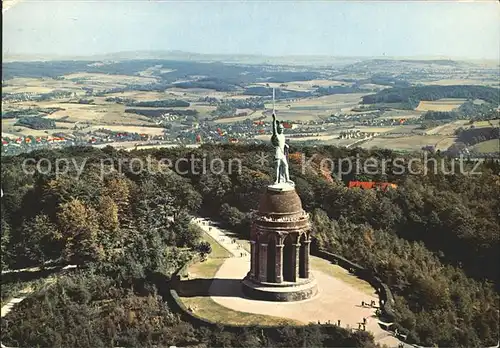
<point>489,123</point>
<point>409,143</point>
<point>396,114</point>
<point>329,100</point>
<point>450,82</point>
<point>12,131</point>
<point>102,114</point>
<point>130,129</point>
<point>41,85</point>
<point>109,79</point>
<point>340,142</point>
<point>315,108</point>
<point>138,95</point>
<point>304,85</point>
<point>404,129</point>
<point>8,135</point>
<point>488,146</point>
<point>73,82</point>
<point>321,137</point>
<point>445,143</point>
<point>252,115</point>
<point>448,128</point>
<point>374,129</point>
<point>28,89</point>
<point>445,104</point>
<point>299,115</point>
<point>97,114</point>
<point>196,93</point>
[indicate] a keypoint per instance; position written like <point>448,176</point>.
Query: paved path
<point>220,236</point>
<point>335,300</point>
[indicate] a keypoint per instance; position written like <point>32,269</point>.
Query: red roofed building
<point>366,185</point>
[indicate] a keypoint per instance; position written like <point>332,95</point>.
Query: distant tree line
<point>208,83</point>
<point>168,103</point>
<point>154,113</point>
<point>20,113</point>
<point>36,122</point>
<point>473,136</point>
<point>414,95</point>
<point>467,110</point>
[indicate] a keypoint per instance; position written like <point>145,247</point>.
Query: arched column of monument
<point>304,247</point>
<point>279,263</point>
<point>271,260</point>
<point>263,262</point>
<point>306,257</point>
<point>253,259</point>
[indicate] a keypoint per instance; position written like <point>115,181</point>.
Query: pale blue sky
<point>368,28</point>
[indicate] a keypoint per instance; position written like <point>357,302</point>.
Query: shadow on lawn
<point>210,287</point>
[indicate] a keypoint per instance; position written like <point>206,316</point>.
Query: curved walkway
<point>336,300</point>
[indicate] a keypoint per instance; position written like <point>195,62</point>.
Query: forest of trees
<point>473,136</point>
<point>433,240</point>
<point>413,95</point>
<point>36,122</point>
<point>124,232</point>
<point>228,107</point>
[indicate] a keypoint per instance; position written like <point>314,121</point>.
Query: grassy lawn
<point>209,267</point>
<point>342,274</point>
<point>205,307</point>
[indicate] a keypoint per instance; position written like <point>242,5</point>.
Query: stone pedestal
<point>280,239</point>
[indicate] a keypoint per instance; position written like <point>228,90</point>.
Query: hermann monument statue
<point>280,237</point>
<point>280,153</point>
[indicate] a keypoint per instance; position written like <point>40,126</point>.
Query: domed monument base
<point>282,292</point>
<point>280,239</point>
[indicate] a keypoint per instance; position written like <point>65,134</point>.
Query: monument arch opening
<point>288,260</point>
<point>302,256</point>
<point>271,259</point>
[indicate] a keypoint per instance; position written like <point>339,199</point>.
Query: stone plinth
<point>280,239</point>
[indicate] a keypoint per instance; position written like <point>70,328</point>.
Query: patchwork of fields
<point>309,113</point>
<point>410,143</point>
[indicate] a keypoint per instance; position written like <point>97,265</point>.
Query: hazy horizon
<point>293,28</point>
